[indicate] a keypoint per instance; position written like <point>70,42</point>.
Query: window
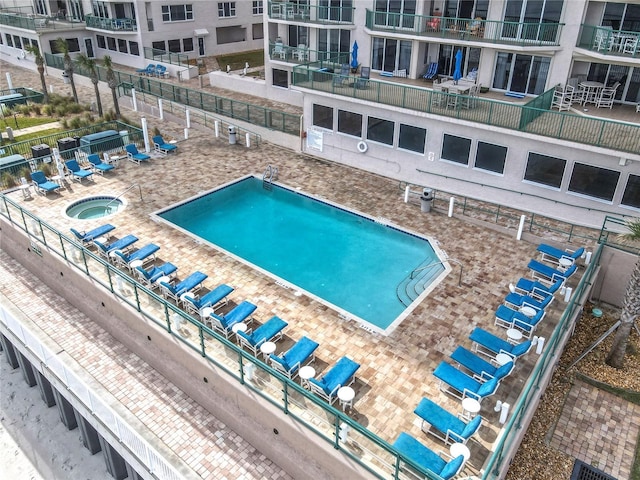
<point>280,78</point>
<point>338,10</point>
<point>491,157</point>
<point>133,48</point>
<point>257,7</point>
<point>394,13</point>
<point>177,13</point>
<point>122,46</point>
<point>257,30</point>
<point>187,44</point>
<point>159,47</point>
<point>9,40</point>
<point>226,9</point>
<point>323,116</point>
<point>111,43</point>
<point>16,41</point>
<point>412,138</point>
<point>332,42</point>
<point>545,170</point>
<point>594,181</point>
<point>174,46</point>
<point>350,123</point>
<point>521,73</point>
<point>298,35</point>
<point>447,59</point>
<point>379,130</point>
<point>456,149</point>
<point>631,196</point>
<point>390,55</point>
<point>73,44</point>
<point>532,19</point>
<point>101,41</point>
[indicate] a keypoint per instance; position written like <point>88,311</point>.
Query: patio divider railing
<point>250,113</point>
<point>537,120</point>
<point>327,422</point>
<point>166,57</point>
<point>607,41</point>
<point>364,447</point>
<point>198,116</point>
<point>112,24</point>
<point>28,95</point>
<point>552,351</point>
<point>319,14</point>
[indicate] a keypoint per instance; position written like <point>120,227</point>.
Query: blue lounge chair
<point>342,374</point>
<point>160,71</point>
<point>134,155</point>
<point>343,76</point>
<point>363,80</point>
<point>148,70</point>
<point>487,343</point>
<point>162,147</point>
<point>517,300</point>
<point>214,299</point>
<point>411,449</point>
<point>445,425</point>
<point>479,367</point>
<point>189,284</point>
<point>271,330</point>
<point>151,276</point>
<point>536,289</point>
<point>547,274</point>
<point>299,355</point>
<point>98,165</point>
<point>78,173</point>
<point>432,71</point>
<point>508,318</point>
<point>41,184</point>
<point>122,244</point>
<point>553,254</point>
<point>87,237</point>
<point>461,385</point>
<point>145,254</point>
<point>241,313</point>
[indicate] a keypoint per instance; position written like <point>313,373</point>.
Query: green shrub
<point>26,173</point>
<point>75,108</point>
<point>37,109</point>
<point>48,110</point>
<point>76,122</point>
<point>47,169</point>
<point>8,180</point>
<point>60,111</point>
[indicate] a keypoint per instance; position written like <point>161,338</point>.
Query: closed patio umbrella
<point>457,73</point>
<point>354,56</point>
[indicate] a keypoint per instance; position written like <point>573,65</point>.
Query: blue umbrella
<point>457,73</point>
<point>354,55</point>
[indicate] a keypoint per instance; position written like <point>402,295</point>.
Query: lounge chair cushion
<point>550,272</point>
<point>120,244</point>
<point>139,254</point>
<point>556,253</point>
<point>211,298</point>
<point>92,234</point>
<point>498,345</point>
<point>154,273</point>
<point>237,315</point>
<point>264,332</point>
<point>296,355</point>
<point>415,451</point>
<point>338,376</point>
<point>444,421</point>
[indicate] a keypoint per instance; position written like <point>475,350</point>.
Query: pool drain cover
<point>582,471</point>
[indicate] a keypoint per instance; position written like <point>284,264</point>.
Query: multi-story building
<point>490,146</point>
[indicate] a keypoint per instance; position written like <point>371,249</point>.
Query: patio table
<point>591,91</point>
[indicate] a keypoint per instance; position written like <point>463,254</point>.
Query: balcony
<point>606,41</point>
<point>304,13</point>
<point>29,21</point>
<point>298,53</point>
<point>533,117</point>
<point>455,29</point>
<point>111,24</point>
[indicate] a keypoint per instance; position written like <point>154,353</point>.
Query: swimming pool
<point>345,259</point>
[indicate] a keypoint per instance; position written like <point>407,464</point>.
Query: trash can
<point>426,200</point>
<point>233,139</point>
<point>65,78</point>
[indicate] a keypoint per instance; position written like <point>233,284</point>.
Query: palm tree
<point>62,46</point>
<point>90,64</point>
<point>630,305</point>
<point>111,81</point>
<point>35,51</point>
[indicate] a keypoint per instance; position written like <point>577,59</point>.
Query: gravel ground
<point>535,454</point>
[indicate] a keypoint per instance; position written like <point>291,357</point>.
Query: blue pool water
<point>345,259</point>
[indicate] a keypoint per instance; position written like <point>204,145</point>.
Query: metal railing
<point>29,21</point>
<point>608,41</point>
<point>614,135</point>
<point>318,14</point>
<point>165,57</point>
<point>477,30</point>
<point>363,446</point>
<point>196,116</point>
<point>250,113</point>
<point>28,95</point>
<point>553,349</point>
<point>112,24</point>
<point>300,53</point>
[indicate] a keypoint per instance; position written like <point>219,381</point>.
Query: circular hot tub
<point>95,207</point>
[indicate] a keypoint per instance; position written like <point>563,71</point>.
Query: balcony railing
<point>23,17</point>
<point>166,57</point>
<point>607,41</point>
<point>299,54</point>
<point>113,24</point>
<point>449,28</point>
<point>302,12</point>
<point>534,117</point>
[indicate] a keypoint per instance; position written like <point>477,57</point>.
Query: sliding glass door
<point>521,73</point>
<point>390,54</point>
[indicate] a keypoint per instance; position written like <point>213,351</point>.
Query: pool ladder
<point>270,174</point>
